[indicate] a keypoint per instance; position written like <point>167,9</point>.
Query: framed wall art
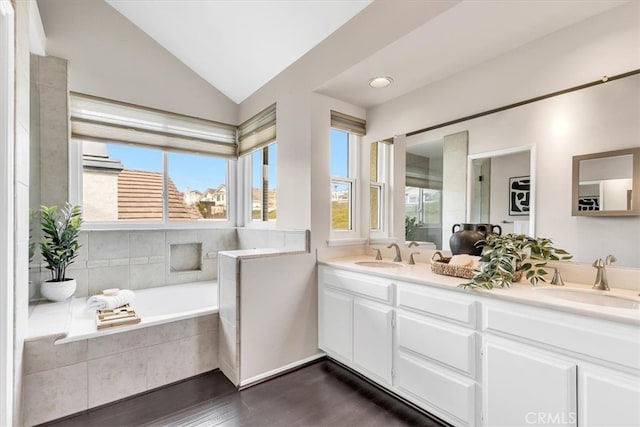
<point>519,195</point>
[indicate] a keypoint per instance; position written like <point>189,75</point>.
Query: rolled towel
<point>464,260</point>
<point>109,302</point>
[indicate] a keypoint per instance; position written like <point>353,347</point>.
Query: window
<point>379,176</point>
<point>263,183</point>
<point>425,205</point>
<point>130,183</point>
<point>343,174</point>
<point>141,165</point>
<point>197,187</point>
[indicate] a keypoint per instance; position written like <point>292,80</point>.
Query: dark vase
<point>464,238</point>
<point>489,228</point>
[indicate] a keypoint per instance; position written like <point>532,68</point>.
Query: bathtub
<point>154,306</point>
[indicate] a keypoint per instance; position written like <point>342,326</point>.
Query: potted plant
<point>59,247</point>
<point>410,228</point>
<point>505,258</point>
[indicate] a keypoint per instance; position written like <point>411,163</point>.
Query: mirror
<point>606,184</point>
<point>499,190</point>
<point>435,190</point>
<point>423,191</point>
<point>551,131</point>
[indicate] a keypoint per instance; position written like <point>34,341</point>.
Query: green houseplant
<point>410,227</point>
<point>59,247</point>
<point>504,255</point>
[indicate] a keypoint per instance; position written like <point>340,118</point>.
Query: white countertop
<point>521,292</point>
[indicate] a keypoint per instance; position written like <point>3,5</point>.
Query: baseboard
<point>280,371</point>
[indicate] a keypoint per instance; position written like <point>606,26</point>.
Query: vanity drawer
<point>610,341</point>
<point>449,305</point>
<point>432,388</point>
<point>453,347</point>
<point>360,284</point>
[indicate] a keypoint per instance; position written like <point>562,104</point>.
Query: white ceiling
<point>463,36</point>
<point>238,46</point>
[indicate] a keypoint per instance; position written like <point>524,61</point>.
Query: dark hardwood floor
<point>321,394</point>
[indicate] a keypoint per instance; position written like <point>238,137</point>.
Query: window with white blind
<point>344,139</point>
<point>142,166</point>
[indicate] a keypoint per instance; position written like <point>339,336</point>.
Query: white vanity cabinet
<point>607,397</point>
<point>475,359</point>
<point>356,321</point>
<point>435,351</point>
<point>526,386</point>
<point>546,367</point>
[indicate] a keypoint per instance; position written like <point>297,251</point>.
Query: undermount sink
<point>594,297</point>
<point>379,264</point>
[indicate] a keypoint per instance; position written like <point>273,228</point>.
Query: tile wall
<point>141,259</point>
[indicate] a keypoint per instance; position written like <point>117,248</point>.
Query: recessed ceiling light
<point>380,82</point>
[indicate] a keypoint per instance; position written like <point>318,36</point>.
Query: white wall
<point>597,119</point>
<point>7,233</point>
<point>21,194</point>
<point>303,117</point>
<point>110,57</point>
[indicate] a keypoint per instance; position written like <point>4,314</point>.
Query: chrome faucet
<point>378,254</point>
<point>398,258</point>
<point>414,243</point>
<point>411,260</point>
<point>557,278</point>
<point>601,282</point>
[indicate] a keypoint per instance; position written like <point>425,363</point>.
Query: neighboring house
<point>191,197</point>
<point>140,198</point>
<point>111,192</point>
<point>213,203</point>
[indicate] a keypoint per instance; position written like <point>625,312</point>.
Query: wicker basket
<point>440,265</point>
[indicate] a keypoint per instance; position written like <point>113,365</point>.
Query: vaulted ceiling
<point>239,46</point>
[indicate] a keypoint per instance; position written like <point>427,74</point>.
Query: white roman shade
<point>258,131</point>
<point>348,123</point>
<point>105,120</point>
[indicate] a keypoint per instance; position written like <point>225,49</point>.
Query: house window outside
<point>130,183</point>
<point>343,172</point>
<point>263,183</point>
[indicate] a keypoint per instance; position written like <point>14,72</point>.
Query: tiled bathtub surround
<point>252,238</point>
<point>140,259</point>
<point>64,379</point>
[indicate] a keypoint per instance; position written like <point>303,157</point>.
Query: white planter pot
<point>58,291</point>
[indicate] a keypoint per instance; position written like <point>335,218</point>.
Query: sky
<point>199,172</point>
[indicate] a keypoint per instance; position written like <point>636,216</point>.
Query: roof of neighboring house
<point>140,198</point>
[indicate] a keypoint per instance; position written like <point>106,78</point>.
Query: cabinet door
<point>607,398</point>
<point>524,386</point>
<point>372,338</point>
<point>336,325</point>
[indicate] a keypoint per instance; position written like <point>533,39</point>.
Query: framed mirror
<point>606,184</point>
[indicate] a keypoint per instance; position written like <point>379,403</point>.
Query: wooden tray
<point>119,316</point>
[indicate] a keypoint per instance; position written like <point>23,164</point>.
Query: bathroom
<point>305,95</point>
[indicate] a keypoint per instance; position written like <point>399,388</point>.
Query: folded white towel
<point>102,302</point>
<point>465,260</point>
